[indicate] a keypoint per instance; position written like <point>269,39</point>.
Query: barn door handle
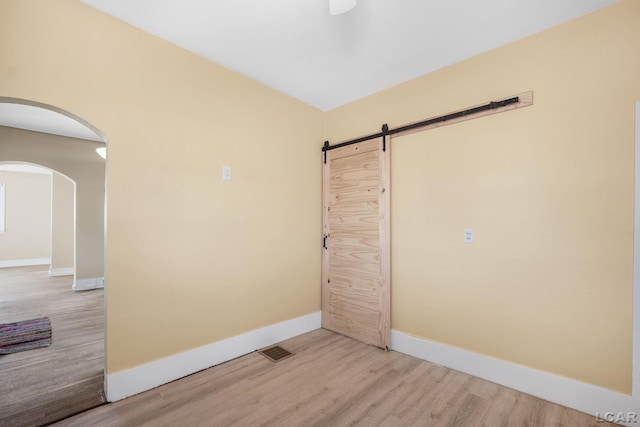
<point>324,241</point>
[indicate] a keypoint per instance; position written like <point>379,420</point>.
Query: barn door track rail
<point>493,107</point>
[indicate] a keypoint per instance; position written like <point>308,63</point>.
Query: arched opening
<point>45,135</point>
<point>36,116</point>
<point>38,137</point>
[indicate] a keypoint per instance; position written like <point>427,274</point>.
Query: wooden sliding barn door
<point>356,270</point>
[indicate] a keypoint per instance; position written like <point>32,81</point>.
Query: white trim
<point>24,262</point>
<point>145,377</point>
<point>564,391</point>
<point>88,284</point>
<point>62,271</point>
<point>2,207</point>
<point>636,264</point>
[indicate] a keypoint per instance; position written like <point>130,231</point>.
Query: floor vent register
<point>275,353</point>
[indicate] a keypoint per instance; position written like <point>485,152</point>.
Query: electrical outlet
<point>468,235</point>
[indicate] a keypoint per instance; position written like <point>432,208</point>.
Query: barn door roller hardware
<point>385,132</point>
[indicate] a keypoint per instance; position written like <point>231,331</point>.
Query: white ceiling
<point>296,47</point>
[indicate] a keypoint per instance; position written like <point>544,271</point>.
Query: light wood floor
<point>331,381</point>
<point>47,384</point>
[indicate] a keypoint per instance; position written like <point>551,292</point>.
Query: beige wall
<point>76,159</point>
<point>548,190</point>
<point>27,216</point>
<point>191,259</point>
<point>62,222</point>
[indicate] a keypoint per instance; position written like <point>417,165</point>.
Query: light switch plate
<point>226,173</point>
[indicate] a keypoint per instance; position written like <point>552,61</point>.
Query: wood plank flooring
<point>331,380</point>
<point>47,384</point>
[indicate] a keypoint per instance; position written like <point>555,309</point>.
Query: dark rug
<point>25,335</point>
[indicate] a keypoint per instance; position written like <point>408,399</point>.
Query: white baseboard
<point>145,377</point>
<point>88,284</point>
<point>574,394</point>
<point>63,271</point>
<point>24,262</point>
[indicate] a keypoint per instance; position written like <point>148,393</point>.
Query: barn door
<point>356,270</point>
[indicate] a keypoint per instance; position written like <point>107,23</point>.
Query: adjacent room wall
<point>78,160</point>
<point>548,190</point>
<point>27,216</point>
<point>191,259</point>
<point>62,225</point>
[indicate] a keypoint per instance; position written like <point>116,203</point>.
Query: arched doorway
<point>34,133</point>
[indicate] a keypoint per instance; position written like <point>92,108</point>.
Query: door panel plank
<point>356,254</point>
<point>350,150</point>
<point>369,274</point>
